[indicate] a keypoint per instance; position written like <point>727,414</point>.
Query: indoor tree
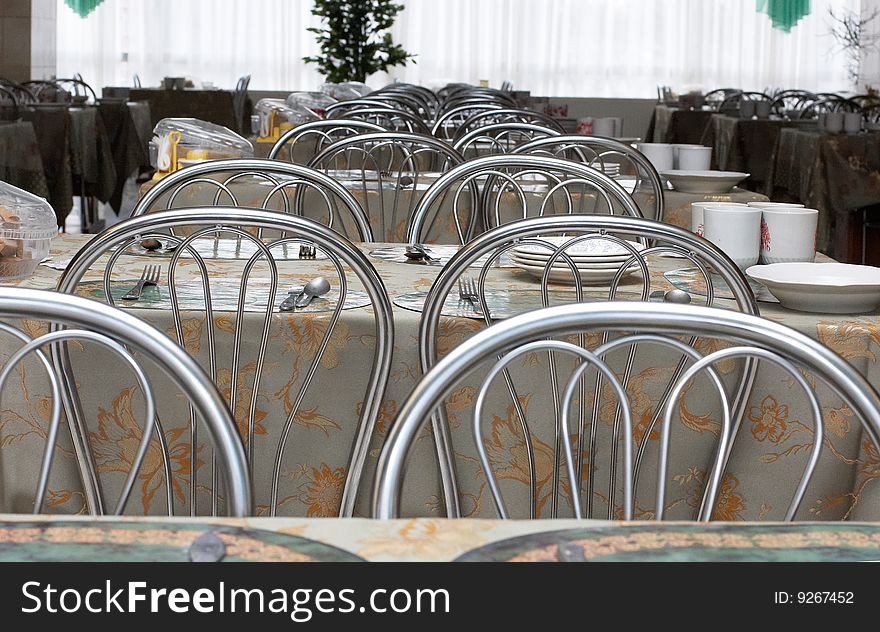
<point>355,40</point>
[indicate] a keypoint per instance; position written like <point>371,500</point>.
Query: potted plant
<point>355,40</point>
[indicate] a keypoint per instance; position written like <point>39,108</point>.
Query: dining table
<point>838,174</point>
<point>213,105</point>
<point>45,538</point>
<point>744,145</point>
<point>772,446</point>
<point>678,125</point>
<point>21,163</point>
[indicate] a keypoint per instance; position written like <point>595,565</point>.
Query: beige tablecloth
<point>772,447</point>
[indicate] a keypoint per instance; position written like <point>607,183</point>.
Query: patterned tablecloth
<point>772,447</point>
<point>674,125</point>
<point>744,145</point>
<point>835,173</point>
<point>68,538</point>
<point>20,161</point>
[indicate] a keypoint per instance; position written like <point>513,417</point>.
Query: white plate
<point>704,181</point>
<point>830,288</point>
<point>587,248</point>
<point>562,265</point>
<point>563,275</point>
<point>545,257</point>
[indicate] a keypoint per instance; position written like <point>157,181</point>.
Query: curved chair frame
<point>492,166</point>
<point>229,219</point>
<point>506,115</point>
<point>460,114</point>
<point>113,328</point>
<point>552,145</point>
<point>375,114</point>
<point>295,174</point>
<point>494,133</point>
<point>775,342</point>
<point>490,245</point>
<point>321,129</point>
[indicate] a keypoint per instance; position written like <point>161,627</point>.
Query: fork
<point>150,276</point>
<point>467,291</point>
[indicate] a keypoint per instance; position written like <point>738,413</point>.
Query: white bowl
<point>830,288</point>
<point>704,181</point>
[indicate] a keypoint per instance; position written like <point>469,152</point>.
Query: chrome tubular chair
<point>506,115</point>
<point>77,320</point>
<point>599,153</point>
<point>448,122</point>
<point>217,182</point>
<point>658,324</point>
<point>401,162</point>
<point>486,253</point>
<point>508,182</point>
<point>341,108</point>
<point>190,290</point>
<point>317,135</point>
<point>388,118</point>
<point>499,138</point>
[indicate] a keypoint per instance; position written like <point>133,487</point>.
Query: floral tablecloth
<point>674,125</point>
<point>772,447</point>
<point>65,538</point>
<point>835,173</point>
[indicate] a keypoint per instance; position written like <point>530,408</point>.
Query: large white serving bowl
<point>704,181</point>
<point>830,288</point>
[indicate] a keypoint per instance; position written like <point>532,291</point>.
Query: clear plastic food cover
<point>346,90</point>
<point>190,139</point>
<point>27,226</point>
<point>317,102</point>
<point>277,116</point>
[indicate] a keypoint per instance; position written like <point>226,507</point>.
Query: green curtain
<point>83,7</point>
<point>784,14</point>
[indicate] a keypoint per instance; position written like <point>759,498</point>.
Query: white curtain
<point>597,48</point>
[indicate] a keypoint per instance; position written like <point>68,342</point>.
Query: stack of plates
<point>597,260</point>
<point>610,169</point>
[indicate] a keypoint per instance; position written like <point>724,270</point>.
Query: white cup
<point>788,234</point>
<point>834,122</point>
<point>694,158</point>
<point>618,126</point>
<point>676,150</point>
<point>604,127</point>
<point>852,122</point>
<point>660,155</point>
<point>697,214</point>
<point>736,230</point>
<point>775,205</point>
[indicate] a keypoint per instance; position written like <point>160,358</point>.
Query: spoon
<point>677,296</point>
<point>318,286</point>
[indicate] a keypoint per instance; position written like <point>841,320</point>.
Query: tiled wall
<point>27,39</point>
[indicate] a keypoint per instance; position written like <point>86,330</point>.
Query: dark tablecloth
<point>52,127</point>
<point>21,164</point>
<point>835,173</point>
<point>673,125</point>
<point>128,129</point>
<point>208,105</point>
<point>744,145</point>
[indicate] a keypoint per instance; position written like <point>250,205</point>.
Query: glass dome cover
<point>24,215</point>
<point>195,139</point>
<point>317,102</point>
<point>277,115</point>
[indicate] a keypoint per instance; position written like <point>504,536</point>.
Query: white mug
<point>676,151</point>
<point>697,214</point>
<point>788,234</point>
<point>694,158</point>
<point>834,122</point>
<point>736,230</point>
<point>760,204</point>
<point>618,126</point>
<point>603,127</point>
<point>852,122</point>
<point>585,125</point>
<point>660,155</point>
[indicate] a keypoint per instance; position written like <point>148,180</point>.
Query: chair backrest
<point>306,141</point>
<point>267,184</point>
<point>388,118</point>
<point>388,172</point>
<point>550,330</point>
<point>499,138</point>
<point>239,99</point>
<point>515,186</point>
<point>224,280</point>
<point>447,123</point>
<point>609,156</point>
<point>90,326</point>
<point>506,115</point>
<point>647,241</point>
